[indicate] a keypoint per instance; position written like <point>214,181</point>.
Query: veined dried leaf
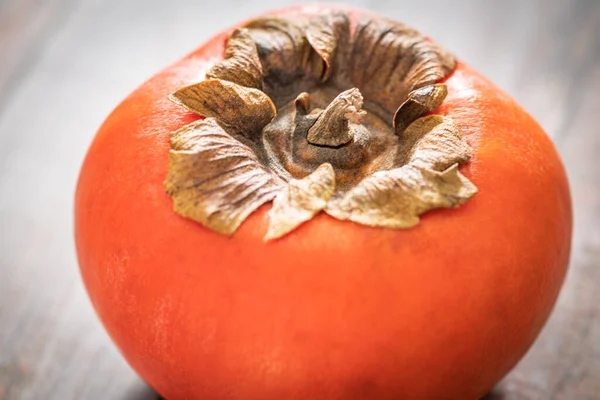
<point>420,102</point>
<point>434,142</point>
<point>325,33</point>
<point>282,48</point>
<point>300,201</point>
<point>244,110</point>
<point>396,198</point>
<point>432,64</point>
<point>389,60</point>
<point>241,64</point>
<point>215,179</point>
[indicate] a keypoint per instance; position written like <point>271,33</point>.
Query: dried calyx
<point>318,115</point>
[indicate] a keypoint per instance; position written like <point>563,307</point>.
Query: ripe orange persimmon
<point>333,309</point>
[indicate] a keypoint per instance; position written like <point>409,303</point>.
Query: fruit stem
<point>332,128</point>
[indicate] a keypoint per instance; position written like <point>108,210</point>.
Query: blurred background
<point>64,64</point>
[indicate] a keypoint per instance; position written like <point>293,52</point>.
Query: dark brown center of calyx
<point>313,130</point>
<point>319,115</point>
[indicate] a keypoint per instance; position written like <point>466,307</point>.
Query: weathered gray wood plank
<point>25,28</point>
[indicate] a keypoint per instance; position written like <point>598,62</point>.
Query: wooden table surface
<point>64,64</point>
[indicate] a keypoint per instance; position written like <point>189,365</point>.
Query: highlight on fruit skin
<point>317,117</point>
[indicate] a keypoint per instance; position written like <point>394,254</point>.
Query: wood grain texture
<point>25,28</point>
<point>66,63</point>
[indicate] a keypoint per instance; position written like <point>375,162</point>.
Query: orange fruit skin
<point>334,310</point>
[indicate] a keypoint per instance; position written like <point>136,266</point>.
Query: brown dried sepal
<point>388,60</point>
<point>420,102</point>
<point>214,178</point>
<point>241,64</point>
<point>300,201</point>
<point>243,110</point>
<point>305,112</point>
<point>433,142</point>
<point>325,34</point>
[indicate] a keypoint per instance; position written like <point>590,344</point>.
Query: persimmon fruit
<point>336,304</point>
